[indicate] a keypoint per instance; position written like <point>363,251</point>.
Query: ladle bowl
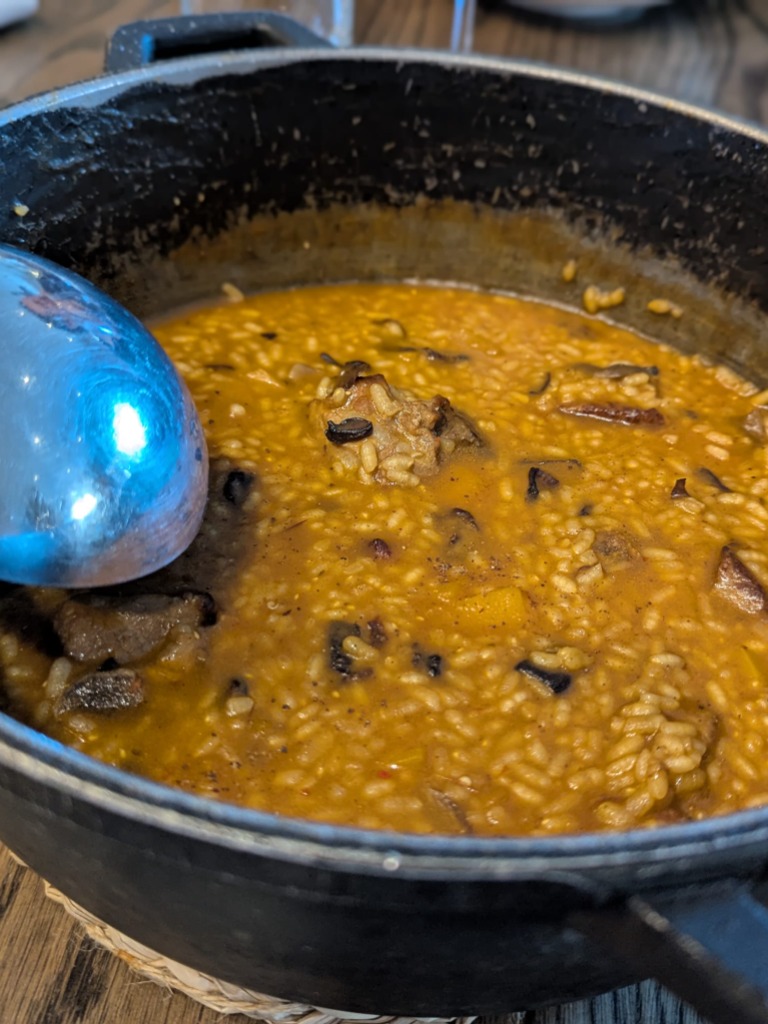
<point>103,462</point>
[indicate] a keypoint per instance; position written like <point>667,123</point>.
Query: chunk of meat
<point>410,436</point>
<point>615,548</point>
<point>94,626</point>
<point>738,585</point>
<point>103,692</point>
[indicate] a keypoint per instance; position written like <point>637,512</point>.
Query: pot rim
<point>78,777</point>
<point>95,91</point>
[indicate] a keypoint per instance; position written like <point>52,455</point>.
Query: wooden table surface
<point>712,52</point>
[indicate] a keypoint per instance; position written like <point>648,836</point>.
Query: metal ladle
<point>103,462</point>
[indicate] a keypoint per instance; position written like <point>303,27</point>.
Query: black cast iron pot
<point>276,166</point>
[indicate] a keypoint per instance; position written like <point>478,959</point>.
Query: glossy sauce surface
<point>501,576</point>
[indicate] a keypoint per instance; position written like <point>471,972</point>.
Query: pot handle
<point>144,42</point>
<point>706,943</point>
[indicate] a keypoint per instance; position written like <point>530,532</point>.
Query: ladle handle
<point>141,43</point>
<point>706,943</point>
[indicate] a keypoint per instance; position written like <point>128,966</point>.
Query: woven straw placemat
<point>221,996</point>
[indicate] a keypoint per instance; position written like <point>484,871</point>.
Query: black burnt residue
<point>377,633</point>
<point>432,664</point>
<point>237,486</point>
<point>338,659</point>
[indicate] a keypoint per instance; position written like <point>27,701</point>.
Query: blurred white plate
<point>16,10</point>
<point>604,10</point>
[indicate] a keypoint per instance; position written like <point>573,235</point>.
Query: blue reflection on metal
<point>103,466</point>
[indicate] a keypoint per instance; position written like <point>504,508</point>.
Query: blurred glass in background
<point>335,19</point>
<point>332,19</point>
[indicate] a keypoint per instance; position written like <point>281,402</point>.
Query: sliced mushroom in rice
<point>738,584</point>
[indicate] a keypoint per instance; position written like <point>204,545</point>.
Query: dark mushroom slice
<point>352,371</point>
<point>103,692</point>
<point>353,428</point>
<point>608,412</point>
<point>570,463</point>
<point>456,812</point>
<point>756,424</point>
<point>391,326</point>
<point>328,358</point>
<point>461,527</point>
<point>712,479</point>
<point>379,548</point>
<point>735,582</point>
<point>679,490</point>
<point>541,388</point>
<point>95,626</point>
<point>434,355</point>
<point>616,371</point>
<point>557,682</point>
<point>465,517</point>
<point>539,479</point>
